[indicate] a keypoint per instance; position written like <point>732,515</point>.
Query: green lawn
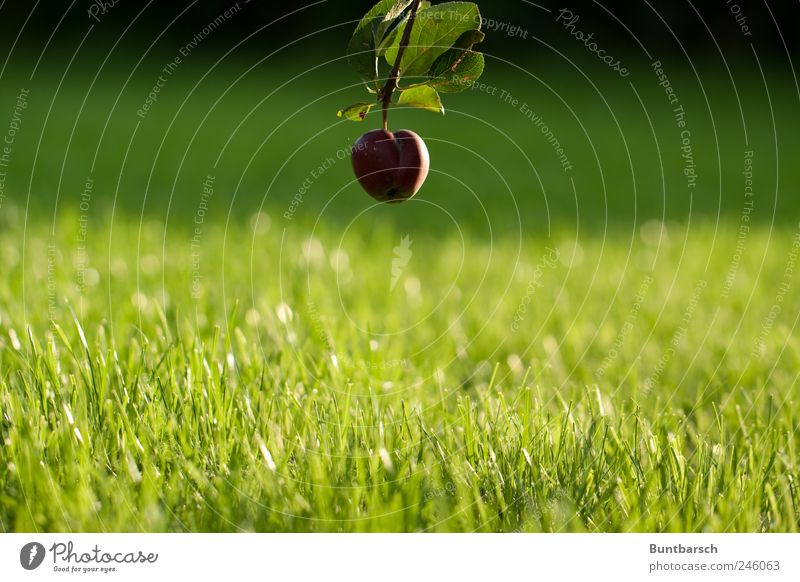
<point>542,358</point>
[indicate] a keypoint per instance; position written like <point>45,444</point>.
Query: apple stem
<point>385,94</point>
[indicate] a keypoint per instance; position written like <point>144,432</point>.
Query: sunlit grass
<point>608,385</point>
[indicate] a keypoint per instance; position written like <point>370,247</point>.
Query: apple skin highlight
<point>391,167</point>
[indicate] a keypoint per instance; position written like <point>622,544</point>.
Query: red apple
<point>391,167</point>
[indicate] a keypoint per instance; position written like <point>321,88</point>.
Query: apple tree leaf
<point>389,20</point>
<point>458,68</point>
<point>369,34</point>
<point>356,112</point>
<point>454,72</point>
<point>390,35</point>
<point>423,97</point>
<point>436,29</point>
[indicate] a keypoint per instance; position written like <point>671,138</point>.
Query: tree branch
<point>385,94</point>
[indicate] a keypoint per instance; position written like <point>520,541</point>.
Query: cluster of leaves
<point>438,59</point>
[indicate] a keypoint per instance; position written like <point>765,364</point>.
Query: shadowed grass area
<point>265,130</point>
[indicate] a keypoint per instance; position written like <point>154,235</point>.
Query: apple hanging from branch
<point>430,48</point>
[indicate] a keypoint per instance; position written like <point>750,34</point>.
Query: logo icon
<point>32,555</point>
<point>402,257</point>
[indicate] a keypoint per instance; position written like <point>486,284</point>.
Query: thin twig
<point>385,94</point>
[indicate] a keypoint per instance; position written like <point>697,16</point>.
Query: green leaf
<point>423,97</point>
<point>356,112</point>
<point>398,27</point>
<point>382,26</point>
<point>435,31</point>
<point>469,39</point>
<point>459,67</point>
<point>370,32</point>
<point>456,71</point>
